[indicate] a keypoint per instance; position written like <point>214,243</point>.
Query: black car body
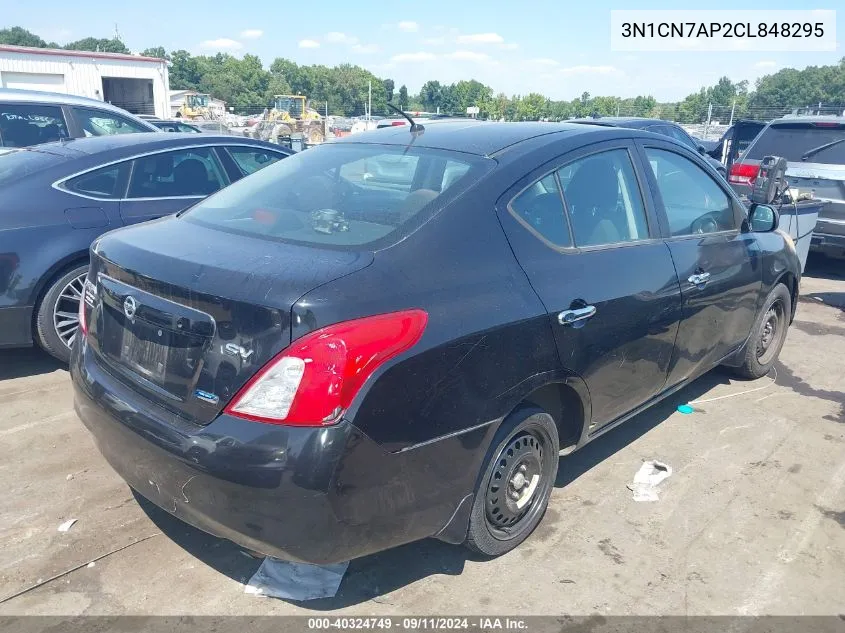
<point>323,360</point>
<point>659,126</point>
<point>58,197</point>
<point>814,147</point>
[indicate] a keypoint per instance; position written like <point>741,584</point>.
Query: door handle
<point>568,317</point>
<point>699,279</point>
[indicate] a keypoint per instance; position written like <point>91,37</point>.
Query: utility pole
<point>733,107</point>
<point>709,115</point>
<point>370,100</point>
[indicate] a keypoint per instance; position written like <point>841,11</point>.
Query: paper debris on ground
<point>64,527</point>
<point>91,564</point>
<point>295,581</point>
<point>648,477</point>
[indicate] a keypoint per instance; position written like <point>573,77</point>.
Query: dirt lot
<point>752,521</point>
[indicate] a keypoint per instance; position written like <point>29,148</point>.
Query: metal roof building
<point>135,83</point>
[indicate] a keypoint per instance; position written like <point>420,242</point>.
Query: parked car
<point>393,363</point>
<point>658,126</point>
<point>213,127</point>
<point>174,126</point>
<point>814,147</point>
<point>735,140</point>
<point>28,117</point>
<point>57,198</point>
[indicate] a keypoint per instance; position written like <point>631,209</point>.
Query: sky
<point>559,49</point>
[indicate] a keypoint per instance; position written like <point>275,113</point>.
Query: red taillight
<point>83,321</point>
<point>825,124</point>
<point>89,294</point>
<point>313,381</point>
<point>743,174</point>
<point>395,123</point>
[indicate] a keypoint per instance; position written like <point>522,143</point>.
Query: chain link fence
<point>708,123</point>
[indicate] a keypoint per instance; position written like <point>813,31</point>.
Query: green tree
<point>431,95</point>
<point>403,97</point>
<point>101,45</point>
<point>18,36</point>
<point>388,88</point>
<point>184,71</point>
<point>156,51</point>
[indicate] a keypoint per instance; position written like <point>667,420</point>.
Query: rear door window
<point>96,122</point>
<point>107,182</point>
<point>23,125</point>
<point>603,199</point>
<point>539,208</point>
<point>182,173</point>
<point>801,142</point>
<point>343,195</point>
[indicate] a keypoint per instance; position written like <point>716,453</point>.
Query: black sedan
<point>58,197</point>
<point>393,336</point>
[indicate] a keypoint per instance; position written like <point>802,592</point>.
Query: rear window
<point>341,195</point>
<point>22,125</point>
<point>792,141</point>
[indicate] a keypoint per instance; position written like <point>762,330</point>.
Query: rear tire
<point>514,489</point>
<point>56,320</point>
<point>768,334</point>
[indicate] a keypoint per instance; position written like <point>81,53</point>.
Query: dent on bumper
<point>315,495</point>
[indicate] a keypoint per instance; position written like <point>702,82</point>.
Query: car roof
<point>817,118</point>
<point>621,121</point>
<point>145,141</point>
<point>483,138</point>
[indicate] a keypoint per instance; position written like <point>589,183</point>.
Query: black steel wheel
<point>514,489</point>
<point>768,334</point>
<point>771,332</point>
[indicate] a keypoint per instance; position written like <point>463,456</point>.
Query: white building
<point>132,82</point>
<point>177,99</point>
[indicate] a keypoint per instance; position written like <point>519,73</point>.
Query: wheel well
<point>791,282</point>
<point>564,404</point>
<point>54,273</point>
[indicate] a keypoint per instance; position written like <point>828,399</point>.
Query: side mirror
<point>763,218</point>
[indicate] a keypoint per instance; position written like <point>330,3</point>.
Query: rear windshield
<point>793,141</point>
<point>341,195</point>
<point>15,164</point>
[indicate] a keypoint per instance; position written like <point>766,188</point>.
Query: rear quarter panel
<point>37,231</point>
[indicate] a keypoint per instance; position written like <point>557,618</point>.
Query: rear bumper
<point>16,327</point>
<point>827,243</point>
<point>314,495</point>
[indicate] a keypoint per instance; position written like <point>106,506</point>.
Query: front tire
<point>768,335</point>
<point>516,484</point>
<point>57,320</point>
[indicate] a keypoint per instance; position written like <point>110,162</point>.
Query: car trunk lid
<point>186,314</point>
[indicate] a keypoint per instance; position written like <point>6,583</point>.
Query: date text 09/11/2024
<point>428,623</point>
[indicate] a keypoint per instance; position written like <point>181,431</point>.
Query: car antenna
<point>416,128</point>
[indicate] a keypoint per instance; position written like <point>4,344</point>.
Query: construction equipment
<point>195,106</point>
<point>291,116</point>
